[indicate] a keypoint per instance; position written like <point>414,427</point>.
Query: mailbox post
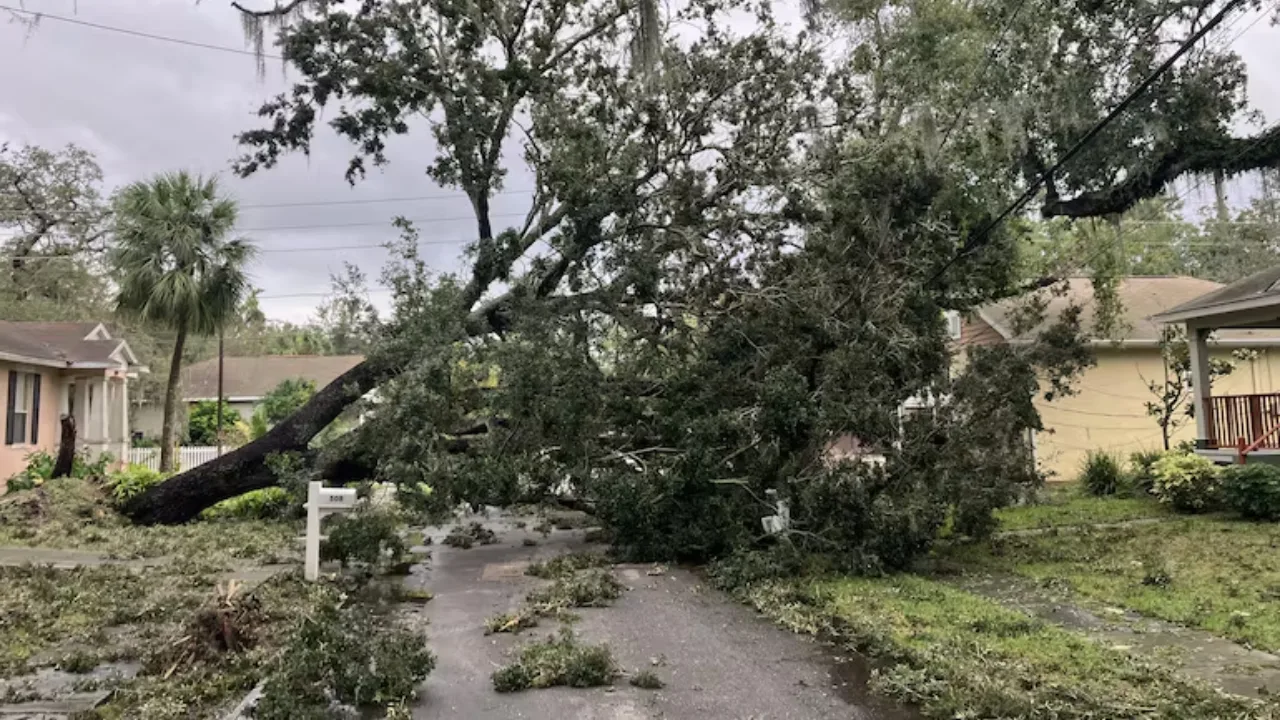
<point>322,501</point>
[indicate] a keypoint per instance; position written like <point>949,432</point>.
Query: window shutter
<point>35,408</point>
<point>11,420</point>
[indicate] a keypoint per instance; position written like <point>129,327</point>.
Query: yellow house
<point>1108,411</point>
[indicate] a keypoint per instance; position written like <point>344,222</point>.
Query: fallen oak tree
<point>473,166</point>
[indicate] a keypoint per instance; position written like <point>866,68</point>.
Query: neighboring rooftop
<point>250,378</point>
<point>1143,300</point>
<point>64,344</point>
<point>1261,288</point>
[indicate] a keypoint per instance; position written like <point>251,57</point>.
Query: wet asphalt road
<point>717,658</point>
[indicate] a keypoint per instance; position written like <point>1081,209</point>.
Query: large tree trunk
<point>171,400</point>
<point>182,497</point>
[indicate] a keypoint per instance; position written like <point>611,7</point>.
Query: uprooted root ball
<point>558,660</point>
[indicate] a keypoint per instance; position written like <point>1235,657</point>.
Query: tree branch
<point>1227,154</point>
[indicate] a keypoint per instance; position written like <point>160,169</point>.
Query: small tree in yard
<point>176,268</point>
<point>1172,406</point>
<point>202,422</point>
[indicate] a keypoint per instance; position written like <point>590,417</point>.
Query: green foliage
<point>595,587</point>
<point>1172,406</point>
<point>202,422</point>
<point>265,504</point>
<point>465,537</point>
<point>1101,474</point>
<point>1142,469</point>
<point>1253,490</point>
<point>258,425</point>
<point>132,481</point>
<point>347,655</point>
<point>368,536</point>
<point>558,660</point>
<point>1187,482</point>
<point>284,399</point>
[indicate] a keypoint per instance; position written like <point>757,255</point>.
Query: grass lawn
<point>1065,506</point>
<point>1217,574</point>
<point>957,655</point>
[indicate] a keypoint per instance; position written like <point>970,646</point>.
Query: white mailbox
<point>322,501</point>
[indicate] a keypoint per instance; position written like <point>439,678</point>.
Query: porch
<point>1232,428</point>
<point>99,403</point>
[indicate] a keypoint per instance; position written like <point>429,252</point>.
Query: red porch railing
<point>1253,419</point>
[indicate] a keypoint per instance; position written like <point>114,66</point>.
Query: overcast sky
<point>144,106</point>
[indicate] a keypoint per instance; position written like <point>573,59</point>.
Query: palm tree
<point>176,267</point>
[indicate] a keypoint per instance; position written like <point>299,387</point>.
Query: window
<point>953,324</point>
<point>23,409</point>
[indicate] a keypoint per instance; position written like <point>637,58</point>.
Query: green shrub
<point>1253,490</point>
<point>265,504</point>
<point>126,484</point>
<point>1101,474</point>
<point>1188,483</point>
<point>1142,472</point>
<point>202,422</point>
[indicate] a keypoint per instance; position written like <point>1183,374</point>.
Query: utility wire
<point>982,236</point>
<point>38,16</point>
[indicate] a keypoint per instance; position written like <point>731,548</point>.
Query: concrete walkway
<point>1197,654</point>
<point>249,575</point>
<point>717,658</point>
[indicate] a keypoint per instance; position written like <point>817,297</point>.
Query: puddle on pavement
<point>850,674</point>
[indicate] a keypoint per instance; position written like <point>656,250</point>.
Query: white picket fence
<point>189,456</point>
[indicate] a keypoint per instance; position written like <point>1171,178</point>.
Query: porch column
<point>104,416</point>
<point>1198,347</point>
<point>83,429</point>
<point>125,436</point>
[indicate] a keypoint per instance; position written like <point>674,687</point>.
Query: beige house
<point>51,369</point>
<point>245,381</point>
<point>1108,412</point>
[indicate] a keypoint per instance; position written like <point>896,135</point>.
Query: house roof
<point>1260,289</point>
<point>64,344</point>
<point>250,378</point>
<point>1144,301</point>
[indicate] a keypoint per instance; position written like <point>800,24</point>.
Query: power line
<point>325,203</point>
<point>982,236</point>
<point>387,223</point>
<point>38,16</point>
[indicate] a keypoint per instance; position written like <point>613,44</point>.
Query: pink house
<point>51,369</point>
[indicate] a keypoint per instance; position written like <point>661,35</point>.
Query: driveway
<point>718,659</point>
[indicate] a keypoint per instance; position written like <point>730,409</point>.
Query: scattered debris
<point>543,527</point>
<point>557,660</point>
<point>529,542</point>
<point>464,538</point>
<point>595,587</point>
<point>597,535</point>
<point>416,596</point>
<point>567,564</point>
<point>647,680</point>
<point>656,570</point>
<point>511,622</point>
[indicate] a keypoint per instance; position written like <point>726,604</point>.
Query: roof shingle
<point>62,343</point>
<point>254,377</point>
